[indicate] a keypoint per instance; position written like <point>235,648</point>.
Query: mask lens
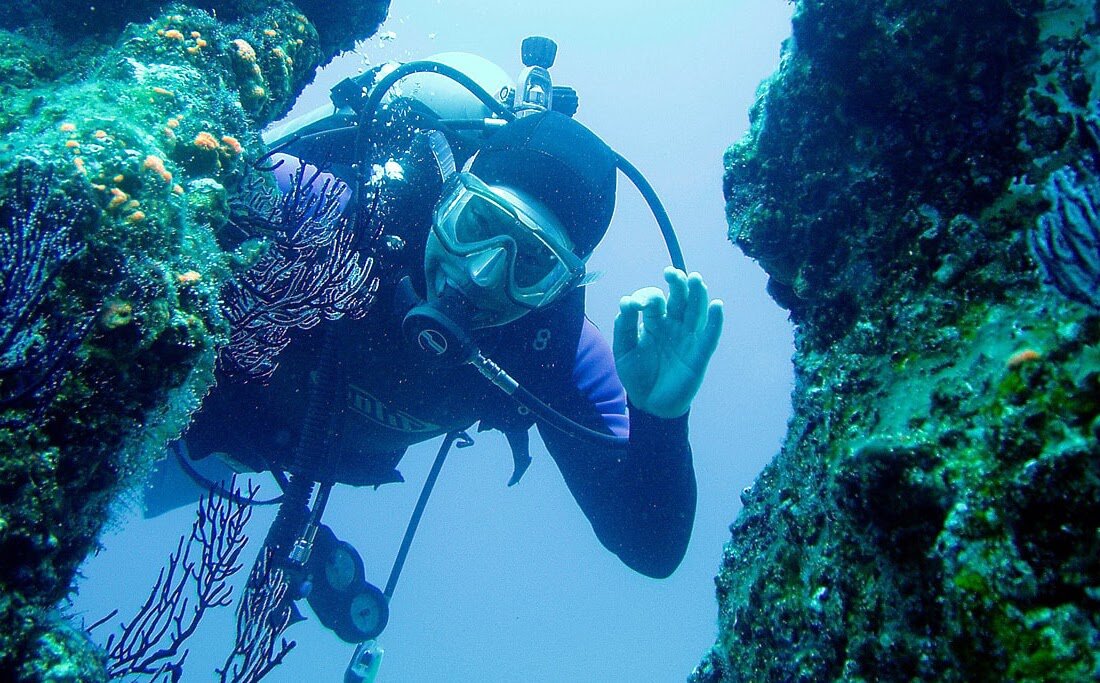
<point>534,260</point>
<point>472,217</point>
<point>480,220</point>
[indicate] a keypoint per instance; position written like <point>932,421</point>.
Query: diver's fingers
<point>650,301</point>
<point>677,292</point>
<point>626,327</point>
<point>646,297</point>
<point>696,309</point>
<point>653,310</point>
<point>712,330</point>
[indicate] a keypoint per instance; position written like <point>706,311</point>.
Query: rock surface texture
<point>123,144</point>
<point>920,183</point>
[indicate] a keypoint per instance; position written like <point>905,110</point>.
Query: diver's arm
<point>640,500</point>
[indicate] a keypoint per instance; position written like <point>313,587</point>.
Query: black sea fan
<point>195,580</point>
<point>313,270</point>
<point>37,240</point>
<point>1066,239</point>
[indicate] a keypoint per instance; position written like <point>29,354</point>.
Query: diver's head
<point>512,233</point>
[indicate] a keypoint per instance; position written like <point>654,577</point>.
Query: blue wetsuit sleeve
<point>640,500</point>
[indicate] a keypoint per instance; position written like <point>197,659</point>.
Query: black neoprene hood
<point>560,163</point>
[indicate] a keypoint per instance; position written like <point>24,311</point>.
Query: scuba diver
<point>485,200</point>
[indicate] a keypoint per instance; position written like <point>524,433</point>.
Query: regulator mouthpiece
<point>439,328</point>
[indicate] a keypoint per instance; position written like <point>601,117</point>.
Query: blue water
<point>510,584</point>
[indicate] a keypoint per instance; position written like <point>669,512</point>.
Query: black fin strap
<point>216,487</point>
<point>520,442</point>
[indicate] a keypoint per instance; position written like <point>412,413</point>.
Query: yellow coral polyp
<point>232,144</point>
<point>189,277</point>
<point>206,141</point>
<point>1019,358</point>
<point>136,217</point>
<point>67,127</point>
<point>118,198</point>
<point>245,51</point>
<point>156,165</point>
<point>173,34</point>
<point>270,32</point>
<point>163,91</point>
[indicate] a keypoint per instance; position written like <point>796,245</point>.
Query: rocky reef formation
<point>123,143</point>
<point>920,183</point>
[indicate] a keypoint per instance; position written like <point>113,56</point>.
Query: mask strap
<point>441,152</point>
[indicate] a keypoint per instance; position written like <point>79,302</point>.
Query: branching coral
<point>312,271</point>
<point>152,642</point>
<point>263,615</point>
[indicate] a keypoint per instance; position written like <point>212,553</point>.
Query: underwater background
<point>509,584</point>
<point>913,200</point>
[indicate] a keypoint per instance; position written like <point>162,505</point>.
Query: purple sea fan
<point>313,270</point>
<point>1066,239</point>
<point>37,240</point>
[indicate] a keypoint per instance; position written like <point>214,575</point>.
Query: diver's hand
<point>662,361</point>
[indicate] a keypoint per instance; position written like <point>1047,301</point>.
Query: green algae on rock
<point>933,514</point>
<point>144,127</point>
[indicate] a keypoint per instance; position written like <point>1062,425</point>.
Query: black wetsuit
<point>640,500</point>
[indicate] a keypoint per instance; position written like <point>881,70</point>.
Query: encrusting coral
<point>145,125</point>
<point>933,513</point>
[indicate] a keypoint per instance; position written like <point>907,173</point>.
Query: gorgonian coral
<point>311,271</point>
<point>1066,239</point>
<point>37,239</point>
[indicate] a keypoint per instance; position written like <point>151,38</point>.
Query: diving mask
<point>473,220</point>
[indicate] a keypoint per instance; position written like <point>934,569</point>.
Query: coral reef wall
<point>920,183</point>
<point>123,143</point>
